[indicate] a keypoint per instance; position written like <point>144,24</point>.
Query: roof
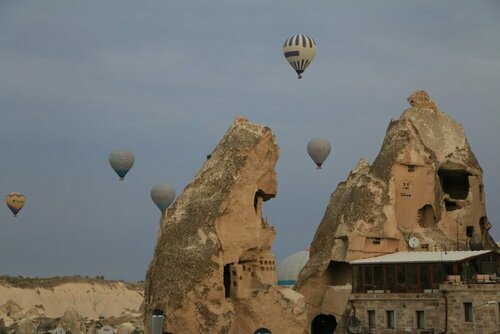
<point>421,257</point>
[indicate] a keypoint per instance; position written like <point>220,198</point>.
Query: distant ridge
<point>51,297</point>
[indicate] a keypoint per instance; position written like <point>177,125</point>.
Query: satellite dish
<point>354,325</point>
<point>414,242</point>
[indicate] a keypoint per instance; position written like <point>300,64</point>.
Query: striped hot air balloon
<point>299,50</point>
<point>15,202</point>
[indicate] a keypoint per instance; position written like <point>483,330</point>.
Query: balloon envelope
<point>121,161</point>
<point>15,202</point>
<point>319,149</point>
<point>299,50</point>
<point>162,195</point>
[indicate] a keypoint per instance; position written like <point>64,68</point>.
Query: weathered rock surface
<point>213,270</point>
<point>52,298</point>
<point>71,321</point>
<point>425,182</point>
<point>25,327</point>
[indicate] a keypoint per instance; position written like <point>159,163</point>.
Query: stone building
<point>427,292</point>
<point>424,192</point>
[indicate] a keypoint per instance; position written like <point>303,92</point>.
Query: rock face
<point>51,298</point>
<point>213,270</point>
<point>25,327</point>
<point>71,321</point>
<point>425,183</point>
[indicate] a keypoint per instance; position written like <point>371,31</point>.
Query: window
<point>378,278</point>
<point>368,278</point>
<point>425,277</point>
<point>389,315</point>
<point>454,183</point>
<point>227,281</point>
<point>420,319</point>
<point>371,318</point>
<point>412,278</point>
<point>468,312</point>
<point>469,231</point>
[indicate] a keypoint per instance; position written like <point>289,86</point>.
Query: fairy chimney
<point>425,183</point>
<point>213,270</point>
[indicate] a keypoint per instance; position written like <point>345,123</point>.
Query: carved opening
<point>481,190</point>
<point>227,281</point>
<point>323,324</point>
<point>469,231</point>
<point>259,195</point>
<point>454,182</point>
<point>338,273</point>
<point>451,205</point>
<point>426,216</point>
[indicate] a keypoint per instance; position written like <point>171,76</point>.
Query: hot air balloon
<point>121,161</point>
<point>318,149</point>
<point>15,202</point>
<point>299,50</point>
<point>162,195</point>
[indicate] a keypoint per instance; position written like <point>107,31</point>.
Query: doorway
<point>323,324</point>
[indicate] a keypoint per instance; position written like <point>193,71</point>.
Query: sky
<point>165,79</point>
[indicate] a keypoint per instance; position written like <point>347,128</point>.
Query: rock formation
<point>25,326</point>
<point>71,321</point>
<point>125,328</point>
<point>213,270</point>
<point>425,183</point>
<point>10,312</point>
<point>52,297</point>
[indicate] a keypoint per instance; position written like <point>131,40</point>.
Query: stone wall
<point>486,316</point>
<point>404,307</point>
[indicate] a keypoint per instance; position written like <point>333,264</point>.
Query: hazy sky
<point>165,79</point>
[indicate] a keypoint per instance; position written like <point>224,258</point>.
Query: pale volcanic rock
<point>70,321</point>
<point>25,326</point>
<point>213,270</point>
<point>425,182</point>
<point>10,312</point>
<point>90,298</point>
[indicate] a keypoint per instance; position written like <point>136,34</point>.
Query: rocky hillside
<point>29,298</point>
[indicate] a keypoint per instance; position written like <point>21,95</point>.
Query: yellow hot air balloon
<point>299,50</point>
<point>15,202</point>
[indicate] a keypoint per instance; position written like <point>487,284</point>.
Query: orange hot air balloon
<point>15,202</point>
